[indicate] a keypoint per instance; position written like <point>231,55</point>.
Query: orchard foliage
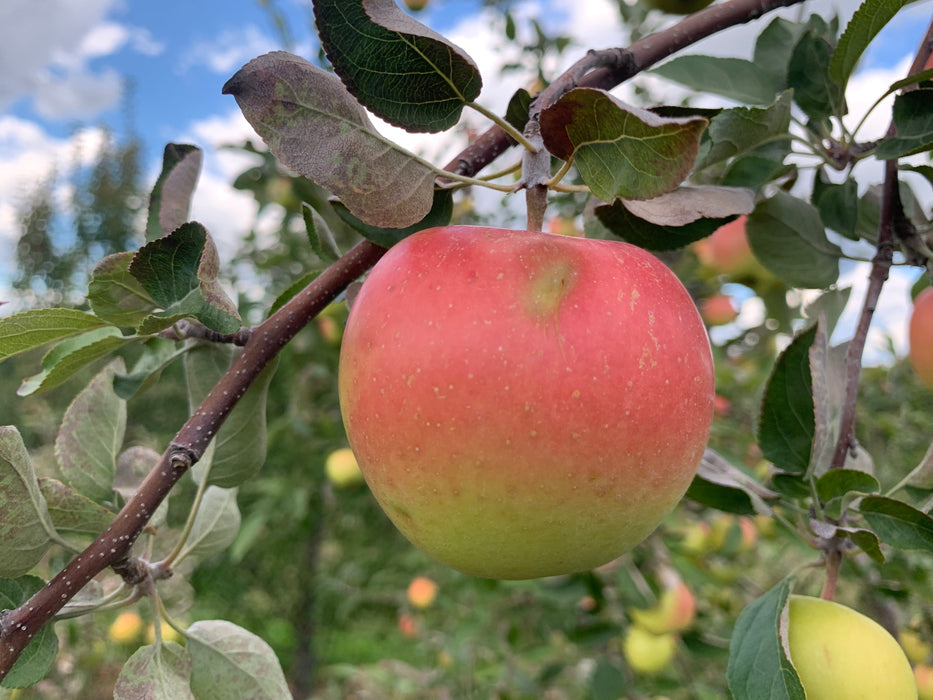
<point>790,498</point>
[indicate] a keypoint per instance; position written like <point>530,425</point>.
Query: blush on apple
<point>524,404</point>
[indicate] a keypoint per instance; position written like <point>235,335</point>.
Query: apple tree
<point>761,198</point>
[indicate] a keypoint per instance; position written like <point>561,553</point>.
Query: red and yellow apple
<point>727,252</point>
<point>718,310</point>
<point>923,676</point>
<point>840,653</point>
<point>524,404</point>
<point>421,592</point>
<point>674,611</point>
<point>920,333</point>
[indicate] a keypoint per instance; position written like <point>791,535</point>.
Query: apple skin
<point>524,404</point>
<point>920,333</point>
<point>840,653</point>
<point>648,653</point>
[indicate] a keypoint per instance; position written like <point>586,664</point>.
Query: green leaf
<point>314,126</point>
<point>621,151</point>
<point>230,662</point>
<point>817,93</point>
<point>827,375</point>
<point>869,19</point>
<point>759,664</point>
<point>787,422</point>
<point>170,200</point>
<point>157,354</point>
<point>32,329</point>
<point>836,483</point>
<point>740,129</point>
<point>774,47</point>
<point>837,204</point>
<point>72,355</point>
<point>72,512</point>
<point>115,295</point>
<point>319,234</point>
<point>399,69</point>
<point>898,523</point>
<point>519,109</point>
<point>677,218</point>
<point>786,234</point>
<point>156,671</point>
<point>240,444</point>
<point>913,117</point>
<point>442,211</point>
<point>25,528</point>
<point>921,476</point>
<point>718,484</point>
<point>39,655</point>
<point>866,540</point>
<point>179,272</point>
<point>90,436</point>
<point>215,525</point>
<point>735,78</point>
<point>608,682</point>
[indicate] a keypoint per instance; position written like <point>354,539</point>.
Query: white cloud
<point>228,51</point>
<point>45,47</point>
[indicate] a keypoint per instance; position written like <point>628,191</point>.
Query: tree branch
<point>112,548</point>
<point>891,213</point>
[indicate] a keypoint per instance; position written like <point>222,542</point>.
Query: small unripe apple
<point>421,592</point>
<point>648,653</point>
<point>524,404</point>
<point>674,612</point>
<point>407,625</point>
<point>678,7</point>
<point>840,653</point>
<point>921,336</point>
<point>342,468</point>
<point>718,310</point>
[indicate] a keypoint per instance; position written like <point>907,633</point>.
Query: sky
<point>71,66</point>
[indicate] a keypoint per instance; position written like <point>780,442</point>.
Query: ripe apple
<point>524,404</point>
<point>923,676</point>
<point>648,653</point>
<point>718,310</point>
<point>674,612</point>
<point>726,251</point>
<point>678,7</point>
<point>421,592</point>
<point>342,468</point>
<point>920,333</point>
<point>840,653</point>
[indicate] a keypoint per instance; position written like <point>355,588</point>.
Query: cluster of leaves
<point>660,178</point>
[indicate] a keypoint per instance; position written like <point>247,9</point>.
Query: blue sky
<point>66,64</point>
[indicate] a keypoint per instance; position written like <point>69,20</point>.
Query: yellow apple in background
<point>840,653</point>
<point>916,648</point>
<point>416,5</point>
<point>923,676</point>
<point>677,7</point>
<point>674,612</point>
<point>921,336</point>
<point>126,628</point>
<point>168,633</point>
<point>648,653</point>
<point>342,468</point>
<point>524,404</point>
<point>422,592</point>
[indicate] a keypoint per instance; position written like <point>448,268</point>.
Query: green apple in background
<point>647,653</point>
<point>841,654</point>
<point>677,7</point>
<point>524,404</point>
<point>416,4</point>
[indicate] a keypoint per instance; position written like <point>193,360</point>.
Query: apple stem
<point>833,565</point>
